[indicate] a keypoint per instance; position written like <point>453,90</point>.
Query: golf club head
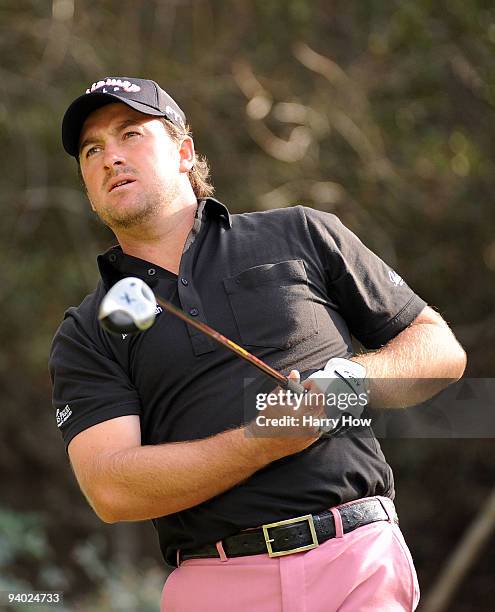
<point>129,307</point>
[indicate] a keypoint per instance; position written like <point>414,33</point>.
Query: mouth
<point>120,184</point>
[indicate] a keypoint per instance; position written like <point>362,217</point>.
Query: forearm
<point>415,365</point>
<point>146,482</point>
<point>125,481</point>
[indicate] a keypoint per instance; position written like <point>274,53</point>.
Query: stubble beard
<point>141,213</point>
<point>144,209</point>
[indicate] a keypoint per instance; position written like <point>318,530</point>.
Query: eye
<point>130,134</point>
<point>92,150</point>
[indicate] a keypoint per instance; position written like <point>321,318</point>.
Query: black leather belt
<point>298,534</point>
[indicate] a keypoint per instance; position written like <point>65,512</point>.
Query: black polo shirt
<point>291,285</point>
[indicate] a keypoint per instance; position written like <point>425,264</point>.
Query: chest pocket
<point>272,304</point>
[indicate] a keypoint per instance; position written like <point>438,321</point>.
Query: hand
<point>285,423</point>
<point>346,394</point>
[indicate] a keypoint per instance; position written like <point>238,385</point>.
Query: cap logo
<point>171,112</point>
<point>114,85</point>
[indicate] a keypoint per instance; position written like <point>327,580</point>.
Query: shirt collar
<point>114,264</point>
<point>216,208</point>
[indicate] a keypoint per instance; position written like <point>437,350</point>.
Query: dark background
<point>382,112</point>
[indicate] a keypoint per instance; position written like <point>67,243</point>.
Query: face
<point>132,169</point>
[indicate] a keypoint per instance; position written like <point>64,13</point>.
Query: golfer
<point>159,425</point>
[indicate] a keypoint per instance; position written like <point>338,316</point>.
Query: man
<point>156,424</point>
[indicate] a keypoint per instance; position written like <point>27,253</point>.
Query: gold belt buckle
<point>299,519</point>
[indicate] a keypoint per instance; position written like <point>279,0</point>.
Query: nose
<point>113,156</point>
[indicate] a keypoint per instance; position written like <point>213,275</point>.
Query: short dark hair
<point>199,175</point>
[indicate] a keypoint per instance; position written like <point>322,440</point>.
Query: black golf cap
<point>140,94</point>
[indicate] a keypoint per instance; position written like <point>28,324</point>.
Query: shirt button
<point>184,281</point>
<point>112,257</point>
<point>194,312</point>
<point>151,272</point>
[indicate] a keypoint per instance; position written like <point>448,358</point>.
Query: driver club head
<point>129,307</point>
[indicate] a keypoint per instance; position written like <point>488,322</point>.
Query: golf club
<point>130,307</point>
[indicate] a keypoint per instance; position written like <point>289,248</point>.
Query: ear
<point>187,155</point>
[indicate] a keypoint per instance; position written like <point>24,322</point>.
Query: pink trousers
<point>367,570</point>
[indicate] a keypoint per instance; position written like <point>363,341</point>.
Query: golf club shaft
<point>283,381</point>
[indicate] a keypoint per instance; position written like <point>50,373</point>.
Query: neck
<point>162,241</point>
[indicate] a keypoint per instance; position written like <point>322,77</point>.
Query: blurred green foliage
<point>24,546</point>
<point>382,112</point>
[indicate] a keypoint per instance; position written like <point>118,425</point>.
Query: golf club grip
<point>295,387</point>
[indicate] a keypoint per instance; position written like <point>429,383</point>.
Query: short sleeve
<point>374,300</point>
<point>89,385</point>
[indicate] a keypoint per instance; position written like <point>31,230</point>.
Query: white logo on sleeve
<point>395,278</point>
<point>63,415</point>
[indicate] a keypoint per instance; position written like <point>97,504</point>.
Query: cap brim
<point>82,107</point>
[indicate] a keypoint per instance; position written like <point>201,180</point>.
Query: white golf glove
<point>346,394</point>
